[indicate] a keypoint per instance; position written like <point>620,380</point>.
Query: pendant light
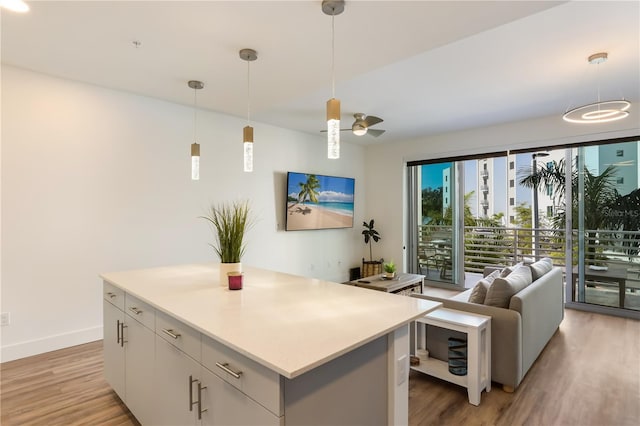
<point>600,111</point>
<point>14,5</point>
<point>195,146</point>
<point>333,8</point>
<point>248,55</point>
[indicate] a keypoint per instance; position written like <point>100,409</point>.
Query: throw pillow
<point>479,292</point>
<point>500,292</point>
<point>507,270</point>
<point>540,268</point>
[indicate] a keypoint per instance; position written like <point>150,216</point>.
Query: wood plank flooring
<point>589,374</point>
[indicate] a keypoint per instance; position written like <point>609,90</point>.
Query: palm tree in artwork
<point>309,189</point>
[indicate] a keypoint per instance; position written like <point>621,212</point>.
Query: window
<point>512,165</point>
<point>484,166</point>
<point>549,211</point>
<point>512,202</point>
<point>512,183</point>
<point>512,219</point>
<point>620,153</point>
<point>620,180</point>
<point>549,190</point>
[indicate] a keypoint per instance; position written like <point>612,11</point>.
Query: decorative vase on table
<point>225,268</point>
<point>229,222</point>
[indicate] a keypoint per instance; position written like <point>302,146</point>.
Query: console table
<point>403,284</point>
<point>478,330</point>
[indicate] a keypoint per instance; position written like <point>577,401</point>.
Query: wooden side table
<point>478,330</point>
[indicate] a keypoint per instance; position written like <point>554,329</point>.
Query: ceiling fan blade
<point>375,132</point>
<point>342,130</point>
<point>370,120</point>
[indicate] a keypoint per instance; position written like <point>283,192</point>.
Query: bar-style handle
<point>117,331</point>
<point>135,310</point>
<point>225,367</point>
<point>200,410</point>
<point>171,333</point>
<point>122,327</point>
<point>191,381</point>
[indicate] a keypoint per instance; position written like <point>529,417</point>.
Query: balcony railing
<point>507,246</point>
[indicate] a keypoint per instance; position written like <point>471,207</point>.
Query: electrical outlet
<point>5,318</point>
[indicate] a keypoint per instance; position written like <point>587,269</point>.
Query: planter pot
<point>389,275</point>
<point>225,268</point>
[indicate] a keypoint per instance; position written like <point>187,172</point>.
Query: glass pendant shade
<point>333,129</point>
<point>15,5</point>
<point>195,161</point>
<point>247,134</point>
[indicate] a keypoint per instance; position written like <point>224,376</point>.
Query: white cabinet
<point>113,348</point>
<point>139,361</point>
<point>226,405</point>
<point>187,393</point>
<point>175,390</point>
<point>129,350</point>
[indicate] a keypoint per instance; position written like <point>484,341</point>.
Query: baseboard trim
<point>49,343</point>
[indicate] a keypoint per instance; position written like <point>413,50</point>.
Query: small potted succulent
<point>389,270</point>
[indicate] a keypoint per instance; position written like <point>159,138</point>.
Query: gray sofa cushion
<point>541,267</point>
<point>500,292</point>
<point>479,292</point>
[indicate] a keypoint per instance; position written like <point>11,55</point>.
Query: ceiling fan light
<point>359,129</point>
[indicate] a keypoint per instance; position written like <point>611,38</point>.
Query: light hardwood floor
<point>589,374</point>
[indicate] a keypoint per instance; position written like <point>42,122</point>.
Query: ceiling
<point>426,67</point>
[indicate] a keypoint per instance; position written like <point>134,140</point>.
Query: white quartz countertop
<point>288,323</point>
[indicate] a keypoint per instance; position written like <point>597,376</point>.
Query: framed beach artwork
<point>319,202</point>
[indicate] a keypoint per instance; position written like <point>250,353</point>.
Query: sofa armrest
<point>506,338</point>
<point>541,307</point>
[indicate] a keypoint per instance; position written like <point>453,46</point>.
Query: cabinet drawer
<point>140,311</point>
<point>178,334</point>
<point>253,379</point>
<point>113,295</point>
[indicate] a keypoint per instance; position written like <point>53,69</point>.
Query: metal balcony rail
<point>509,245</point>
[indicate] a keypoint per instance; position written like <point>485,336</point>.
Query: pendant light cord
<point>248,93</point>
<point>333,59</point>
<point>195,114</point>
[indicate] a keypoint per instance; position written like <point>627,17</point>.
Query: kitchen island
<point>180,348</point>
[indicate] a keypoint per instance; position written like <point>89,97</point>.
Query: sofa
<point>520,327</point>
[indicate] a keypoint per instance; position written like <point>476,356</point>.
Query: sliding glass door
<point>605,185</point>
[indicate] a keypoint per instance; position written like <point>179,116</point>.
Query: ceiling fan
<point>362,125</point>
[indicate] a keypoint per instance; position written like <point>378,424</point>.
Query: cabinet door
<point>113,350</point>
<point>226,405</point>
<point>139,361</point>
<point>172,387</point>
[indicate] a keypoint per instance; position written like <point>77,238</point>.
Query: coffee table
<point>404,284</point>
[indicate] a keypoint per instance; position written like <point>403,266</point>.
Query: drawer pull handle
<point>225,367</point>
<point>135,310</point>
<point>191,382</point>
<point>200,410</point>
<point>111,295</point>
<point>171,333</point>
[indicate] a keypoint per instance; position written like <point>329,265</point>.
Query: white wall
<point>96,180</point>
<point>386,164</point>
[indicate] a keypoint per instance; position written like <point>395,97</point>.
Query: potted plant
<point>371,267</point>
<point>389,270</point>
<point>230,222</point>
